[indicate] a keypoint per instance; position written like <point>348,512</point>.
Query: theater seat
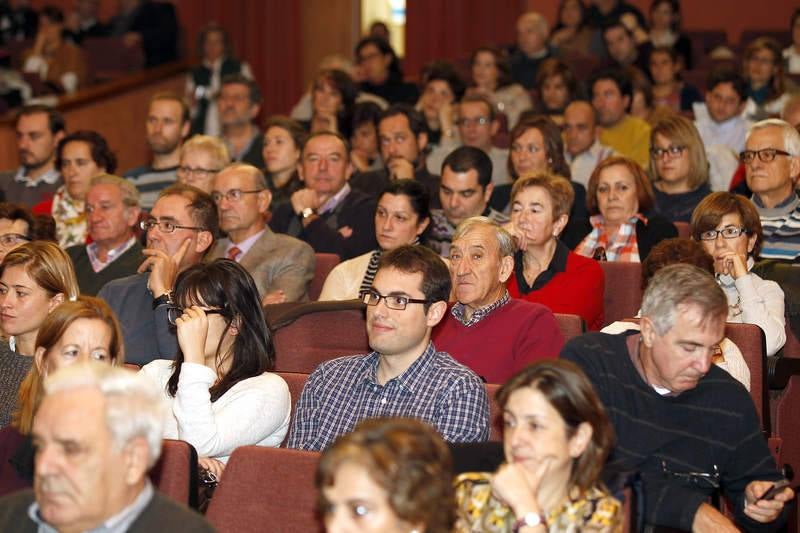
<point>323,266</point>
<point>623,291</point>
<point>495,414</point>
<point>570,325</point>
<point>266,489</point>
<point>749,338</point>
<point>175,473</point>
<point>296,382</point>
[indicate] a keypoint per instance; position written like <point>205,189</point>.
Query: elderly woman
<point>491,77</point>
<point>619,192</point>
<point>283,140</point>
<point>390,475</point>
<point>202,157</point>
<point>401,217</point>
<point>556,438</point>
<point>545,270</point>
<point>729,228</point>
<point>678,168</point>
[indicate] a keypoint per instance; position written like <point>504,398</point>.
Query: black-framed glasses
<point>165,226</point>
<point>728,232</point>
<point>709,480</point>
<point>12,239</point>
<point>766,155</point>
<point>673,151</point>
<point>233,195</point>
<point>393,301</point>
<point>174,312</point>
<point>201,173</point>
<point>480,121</point>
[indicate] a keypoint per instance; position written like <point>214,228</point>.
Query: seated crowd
<point>470,217</point>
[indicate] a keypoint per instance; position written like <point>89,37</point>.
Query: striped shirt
<point>435,388</point>
<point>781,226</point>
<point>150,182</point>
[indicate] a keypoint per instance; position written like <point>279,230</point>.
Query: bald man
<point>531,48</point>
<point>582,147</point>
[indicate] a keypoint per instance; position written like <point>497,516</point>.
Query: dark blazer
<point>657,229</point>
<point>161,514</point>
<point>373,182</point>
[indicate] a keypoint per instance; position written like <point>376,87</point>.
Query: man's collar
<point>335,200</point>
<point>50,177</point>
<point>459,310</point>
<point>408,379</point>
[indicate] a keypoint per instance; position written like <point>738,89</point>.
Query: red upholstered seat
<point>296,383</point>
<point>495,414</point>
<point>325,263</point>
<point>750,340</point>
<point>570,325</point>
<point>175,473</point>
<point>623,291</point>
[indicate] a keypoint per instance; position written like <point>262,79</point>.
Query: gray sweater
<point>13,369</point>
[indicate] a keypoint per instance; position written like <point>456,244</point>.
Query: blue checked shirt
<point>435,388</point>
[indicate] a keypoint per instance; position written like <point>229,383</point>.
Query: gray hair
<point>682,284</point>
<point>130,194</point>
<point>791,139</point>
<point>213,146</point>
<point>505,242</point>
<point>134,407</point>
<point>258,177</point>
<point>537,20</point>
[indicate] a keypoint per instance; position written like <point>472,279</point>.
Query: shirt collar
<point>557,264</point>
<point>334,201</point>
<point>459,311</point>
<point>50,177</point>
<point>408,380</point>
<point>788,205</point>
<point>246,244</point>
<point>113,254</point>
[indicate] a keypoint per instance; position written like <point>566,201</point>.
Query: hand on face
<point>764,510</point>
<point>517,487</point>
<point>519,235</point>
<point>163,267</point>
<point>400,168</point>
<point>731,263</point>
<point>192,332</point>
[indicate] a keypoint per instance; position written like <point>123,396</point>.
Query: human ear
<point>38,360</point>
<point>55,301</point>
<point>506,268</point>
<point>580,440</point>
<point>648,331</point>
<point>435,313</point>
<point>135,457</point>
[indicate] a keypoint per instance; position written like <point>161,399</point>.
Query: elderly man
<point>38,128</point>
<point>112,210</point>
<point>328,214</point>
<point>180,230</point>
<point>772,164</point>
<point>531,48</point>
<point>405,375</point>
<point>281,266</point>
<point>492,334</point>
<point>464,192</point>
<point>686,425</point>
<point>238,103</point>
<point>582,147</point>
<point>97,433</point>
<point>167,126</point>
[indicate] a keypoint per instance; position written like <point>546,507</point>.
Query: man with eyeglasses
<point>167,125</point>
<point>686,425</point>
<point>281,265</point>
<point>772,165</point>
<point>180,230</point>
<point>404,375</point>
<point>477,125</point>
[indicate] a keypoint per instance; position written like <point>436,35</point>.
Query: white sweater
<point>255,411</point>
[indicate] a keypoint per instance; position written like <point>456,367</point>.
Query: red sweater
<point>575,286</point>
<point>504,342</point>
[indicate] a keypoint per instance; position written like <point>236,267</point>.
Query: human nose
<point>47,460</point>
<point>703,363</point>
<point>463,266</point>
<point>7,300</point>
<point>387,224</point>
<point>335,522</point>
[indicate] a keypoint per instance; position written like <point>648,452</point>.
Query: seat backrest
<point>792,346</point>
<point>750,340</point>
<point>175,473</point>
<point>570,325</point>
<point>623,291</point>
<point>110,57</point>
<point>325,263</point>
<point>495,414</point>
<point>296,383</point>
<point>262,486</point>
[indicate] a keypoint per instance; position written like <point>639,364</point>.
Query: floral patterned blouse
<point>479,511</point>
<point>70,219</point>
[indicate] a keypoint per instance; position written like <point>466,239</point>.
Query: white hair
<point>505,242</point>
<point>134,406</point>
<point>791,139</point>
<point>537,20</point>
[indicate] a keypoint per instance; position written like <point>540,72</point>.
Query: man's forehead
<point>473,109</point>
<point>324,144</point>
<point>173,205</point>
<point>33,122</point>
<point>460,181</point>
<point>104,191</point>
<point>579,114</point>
<point>769,137</point>
<point>233,179</point>
<point>70,413</point>
<point>390,280</point>
<point>165,107</point>
<point>393,124</point>
<point>478,237</point>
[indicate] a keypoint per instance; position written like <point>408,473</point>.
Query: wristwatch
<point>164,299</point>
<point>529,520</point>
<point>307,212</point>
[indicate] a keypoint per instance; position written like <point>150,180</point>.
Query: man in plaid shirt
<point>404,375</point>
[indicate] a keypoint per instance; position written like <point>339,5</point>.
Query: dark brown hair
<point>644,191</point>
<point>675,250</point>
<point>709,212</point>
<point>553,144</point>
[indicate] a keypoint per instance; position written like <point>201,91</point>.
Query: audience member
<point>281,266</point>
<point>556,439</point>
<point>333,95</point>
<point>203,81</point>
<point>39,128</point>
<point>772,165</point>
<point>612,94</point>
<point>751,299</point>
<point>114,418</point>
<point>19,225</point>
<point>379,29</point>
<point>221,392</point>
<point>665,31</point>
<point>83,22</point>
<point>705,417</point>
<point>619,193</point>
<point>493,78</point>
<point>238,103</point>
<point>80,156</point>
<point>763,71</point>
<point>485,329</point>
<point>556,87</point>
<point>180,230</point>
<point>791,54</point>
<point>382,74</point>
<point>167,126</point>
<point>34,279</point>
<point>151,25</point>
<point>328,214</point>
<point>572,34</point>
<point>678,168</point>
<point>583,149</point>
<point>545,270</point>
<point>201,158</point>
<point>404,375</point>
<point>283,142</point>
<point>669,90</point>
<point>531,48</point>
<point>602,12</point>
<point>465,191</point>
<point>642,102</point>
<point>401,218</point>
<point>397,468</point>
<point>365,150</point>
<point>60,63</point>
<point>442,89</point>
<point>622,47</point>
<point>112,210</point>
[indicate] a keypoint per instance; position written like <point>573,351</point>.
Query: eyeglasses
<point>392,301</point>
<point>481,121</point>
<point>12,239</point>
<point>201,173</point>
<point>165,226</point>
<point>766,155</point>
<point>672,150</point>
<point>701,479</point>
<point>233,195</point>
<point>728,232</point>
<point>174,312</point>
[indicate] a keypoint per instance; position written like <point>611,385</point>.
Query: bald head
<point>532,33</point>
<point>580,127</point>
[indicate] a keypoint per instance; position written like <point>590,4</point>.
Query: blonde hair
<point>47,265</point>
<point>680,131</point>
<point>212,146</point>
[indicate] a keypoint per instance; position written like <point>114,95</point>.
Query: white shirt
<point>582,165</point>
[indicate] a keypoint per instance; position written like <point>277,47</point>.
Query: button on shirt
<point>435,388</point>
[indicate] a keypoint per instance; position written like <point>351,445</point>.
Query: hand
<point>163,268</point>
<point>304,198</point>
<point>764,510</point>
<point>400,168</point>
<point>709,520</point>
<point>274,297</point>
<point>212,465</point>
<point>192,332</point>
<point>446,113</point>
<point>346,232</point>
<point>732,264</point>
<point>519,236</point>
<point>518,488</point>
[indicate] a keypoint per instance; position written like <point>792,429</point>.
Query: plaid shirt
<point>435,388</point>
<point>479,314</point>
<point>621,246</point>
